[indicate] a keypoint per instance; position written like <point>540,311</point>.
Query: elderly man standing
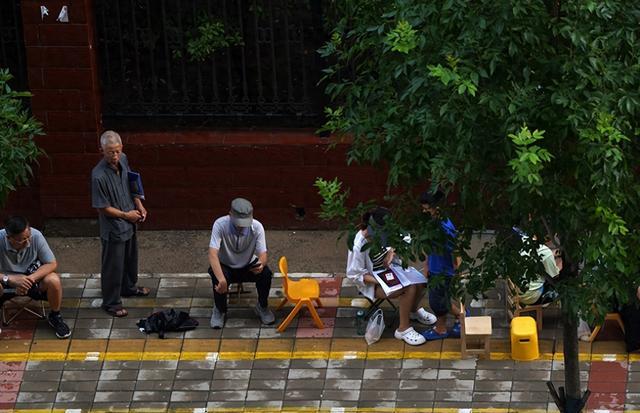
<point>27,265</point>
<point>119,212</point>
<point>238,253</point>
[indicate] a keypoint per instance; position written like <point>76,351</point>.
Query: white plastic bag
<point>584,331</point>
<point>375,327</point>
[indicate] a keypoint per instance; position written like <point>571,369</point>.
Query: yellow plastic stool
<point>524,339</point>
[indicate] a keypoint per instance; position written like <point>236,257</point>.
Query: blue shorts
<point>439,296</point>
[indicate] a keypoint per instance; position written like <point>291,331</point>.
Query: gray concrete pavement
<point>186,251</point>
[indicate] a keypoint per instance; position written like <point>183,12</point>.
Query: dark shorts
<point>34,292</point>
<point>439,295</point>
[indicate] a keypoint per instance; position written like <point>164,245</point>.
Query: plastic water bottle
<point>360,324</point>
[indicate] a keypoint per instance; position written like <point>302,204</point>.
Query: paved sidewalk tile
<point>109,365</point>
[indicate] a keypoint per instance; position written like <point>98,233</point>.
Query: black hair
<point>15,225</point>
<point>376,215</point>
<point>431,198</point>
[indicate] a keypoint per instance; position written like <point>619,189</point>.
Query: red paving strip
<point>608,383</point>
<point>307,329</point>
<point>10,378</point>
<point>330,287</point>
<point>20,329</point>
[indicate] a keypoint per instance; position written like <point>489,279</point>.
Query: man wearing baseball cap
<point>237,254</point>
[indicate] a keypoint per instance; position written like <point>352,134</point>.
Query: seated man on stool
<point>27,266</point>
<point>238,253</point>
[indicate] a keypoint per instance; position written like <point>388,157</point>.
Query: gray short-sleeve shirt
<point>236,249</point>
<point>17,262</point>
<point>110,189</point>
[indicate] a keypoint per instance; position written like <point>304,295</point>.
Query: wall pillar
<point>63,78</point>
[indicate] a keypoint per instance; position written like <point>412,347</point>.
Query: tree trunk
<point>571,361</point>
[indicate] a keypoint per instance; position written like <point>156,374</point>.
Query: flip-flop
<point>139,292</point>
<point>117,312</point>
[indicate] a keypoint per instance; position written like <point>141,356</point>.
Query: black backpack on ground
<point>167,320</point>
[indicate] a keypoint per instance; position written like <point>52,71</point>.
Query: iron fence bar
<point>123,70</point>
<point>198,64</point>
<point>257,44</point>
<point>154,84</point>
<point>230,93</point>
<point>185,92</point>
<point>305,96</point>
<point>245,87</point>
<point>107,60</point>
<point>287,49</point>
<point>214,77</point>
<point>135,48</point>
<point>166,48</point>
<point>274,64</point>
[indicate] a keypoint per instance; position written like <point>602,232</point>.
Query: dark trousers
<point>236,275</point>
<point>119,272</point>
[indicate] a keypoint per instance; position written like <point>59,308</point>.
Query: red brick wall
<point>189,177</point>
<point>63,78</point>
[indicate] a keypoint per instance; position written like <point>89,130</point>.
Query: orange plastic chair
<point>301,293</point>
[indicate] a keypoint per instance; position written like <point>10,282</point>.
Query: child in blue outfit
<point>441,263</point>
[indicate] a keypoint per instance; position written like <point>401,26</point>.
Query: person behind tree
<point>360,268</point>
<point>440,267</point>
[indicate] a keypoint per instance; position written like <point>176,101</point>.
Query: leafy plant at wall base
<point>18,149</point>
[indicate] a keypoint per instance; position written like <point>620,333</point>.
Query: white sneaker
<point>410,336</point>
<point>423,316</point>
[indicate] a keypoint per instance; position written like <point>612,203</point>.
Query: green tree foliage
<point>17,130</point>
<point>518,108</point>
<point>208,36</point>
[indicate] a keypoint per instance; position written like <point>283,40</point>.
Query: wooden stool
<point>524,339</point>
<point>476,327</point>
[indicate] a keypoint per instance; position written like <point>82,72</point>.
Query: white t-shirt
<point>237,249</point>
<point>536,287</point>
<point>358,264</point>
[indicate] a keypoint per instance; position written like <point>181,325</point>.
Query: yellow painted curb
<point>302,410</point>
<point>282,355</point>
<point>123,356</point>
<point>161,355</point>
<point>14,356</point>
<point>47,356</point>
<point>377,355</point>
<point>322,355</point>
<point>236,355</point>
<point>347,355</point>
<point>274,355</point>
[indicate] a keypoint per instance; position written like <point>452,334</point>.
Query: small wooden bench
<point>477,328</point>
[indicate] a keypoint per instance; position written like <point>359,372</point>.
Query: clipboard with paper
<point>396,278</point>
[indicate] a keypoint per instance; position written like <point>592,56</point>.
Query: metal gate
<point>265,74</point>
